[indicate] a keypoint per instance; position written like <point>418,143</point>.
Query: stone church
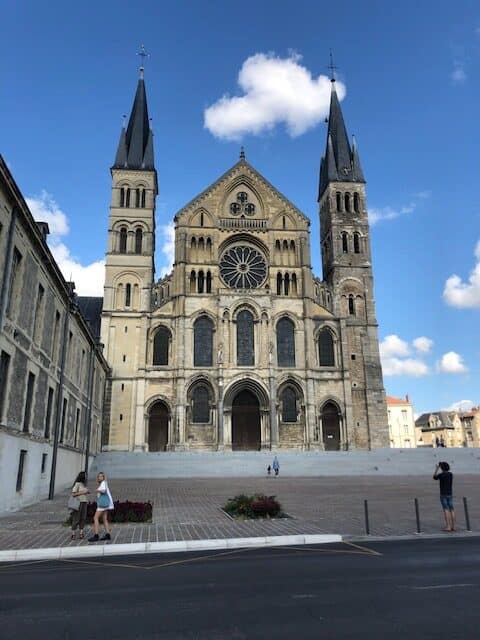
<point>241,346</point>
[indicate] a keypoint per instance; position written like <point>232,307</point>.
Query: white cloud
<point>45,209</point>
<point>167,248</point>
<point>464,294</point>
<point>458,75</point>
<point>451,362</point>
<point>393,346</point>
<point>423,344</point>
<point>88,278</point>
<point>461,405</point>
<point>275,90</point>
<point>387,213</point>
<point>394,352</point>
<point>423,195</point>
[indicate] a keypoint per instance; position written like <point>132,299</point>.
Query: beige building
<point>241,346</point>
<point>471,426</point>
<point>52,372</point>
<point>401,422</point>
<point>440,428</point>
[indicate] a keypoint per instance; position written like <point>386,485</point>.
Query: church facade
<point>241,346</point>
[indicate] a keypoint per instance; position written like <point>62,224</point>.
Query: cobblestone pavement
<point>190,509</point>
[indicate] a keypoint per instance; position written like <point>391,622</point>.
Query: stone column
<point>220,432</point>
<point>273,412</point>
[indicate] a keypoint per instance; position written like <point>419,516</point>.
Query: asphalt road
<point>420,590</point>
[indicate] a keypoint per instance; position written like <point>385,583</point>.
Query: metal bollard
<point>467,515</point>
<point>367,520</point>
<point>417,515</point>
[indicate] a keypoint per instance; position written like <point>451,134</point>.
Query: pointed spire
<point>340,162</point>
<point>135,148</point>
<point>242,153</point>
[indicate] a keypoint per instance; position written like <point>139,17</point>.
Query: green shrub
<point>256,506</point>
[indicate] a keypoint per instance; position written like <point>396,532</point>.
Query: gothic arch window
<point>339,201</point>
<point>245,339</point>
<point>208,247</point>
<point>292,250</point>
<point>201,281</point>
<point>203,342</point>
<point>345,242</point>
<point>347,202</point>
<point>288,401</point>
<point>356,203</point>
<point>326,349</point>
<point>161,346</point>
<point>279,284</point>
<point>202,219</point>
<point>142,198</point>
<point>356,242</point>
<point>193,282</point>
<point>286,284</point>
<point>137,198</point>
<point>122,196</point>
<point>201,404</point>
<point>285,343</point>
<point>127,197</point>
<point>209,282</point>
<point>138,240</point>
<point>294,284</point>
<point>128,295</point>
<point>123,240</point>
<point>351,305</point>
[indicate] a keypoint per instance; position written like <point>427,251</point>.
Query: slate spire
<point>135,147</point>
<point>341,162</point>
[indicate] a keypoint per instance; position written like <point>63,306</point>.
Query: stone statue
<point>270,352</point>
<point>220,353</point>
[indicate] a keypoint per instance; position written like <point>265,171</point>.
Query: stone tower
<point>129,268</point>
<point>347,270</point>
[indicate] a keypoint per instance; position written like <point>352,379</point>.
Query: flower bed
<point>256,506</point>
<point>122,512</point>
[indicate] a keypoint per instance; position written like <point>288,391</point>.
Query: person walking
<point>104,505</point>
<point>445,477</point>
<point>276,466</point>
<point>79,516</point>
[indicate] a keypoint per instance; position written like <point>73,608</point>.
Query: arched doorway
<point>158,427</point>
<point>331,427</point>
<point>246,432</point>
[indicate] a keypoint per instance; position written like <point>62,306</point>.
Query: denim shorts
<point>447,503</point>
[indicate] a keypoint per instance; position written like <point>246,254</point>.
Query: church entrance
<point>158,427</point>
<point>246,422</point>
<point>331,427</point>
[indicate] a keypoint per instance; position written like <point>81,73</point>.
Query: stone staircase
<point>207,464</point>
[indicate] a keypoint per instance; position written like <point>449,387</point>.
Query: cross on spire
<point>143,54</point>
<point>332,68</point>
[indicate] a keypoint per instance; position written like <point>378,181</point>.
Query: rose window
<point>243,267</point>
<point>242,205</point>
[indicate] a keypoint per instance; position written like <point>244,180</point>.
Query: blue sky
<point>412,97</point>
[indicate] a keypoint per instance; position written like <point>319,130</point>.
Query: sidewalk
<point>189,510</point>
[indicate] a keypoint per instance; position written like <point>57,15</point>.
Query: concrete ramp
<point>382,462</point>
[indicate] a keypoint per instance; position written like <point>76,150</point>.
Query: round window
<point>243,267</point>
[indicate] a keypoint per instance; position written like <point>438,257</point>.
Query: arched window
<point>161,344</point>
<point>356,242</point>
<point>137,198</point>
<point>142,198</point>
<point>120,299</point>
<point>356,203</point>
<point>122,197</point>
<point>285,343</point>
<point>193,282</point>
<point>279,284</point>
<point>201,219</point>
<point>294,284</point>
<point>245,339</point>
<point>201,281</point>
<point>286,284</point>
<point>347,202</point>
<point>128,295</point>
<point>339,201</point>
<point>351,305</point>
<point>123,240</point>
<point>209,282</point>
<point>326,350</point>
<point>288,400</point>
<point>127,197</point>
<point>345,242</point>
<point>201,404</point>
<point>284,223</point>
<point>203,342</point>
<point>138,240</point>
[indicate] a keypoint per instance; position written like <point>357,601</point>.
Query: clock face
<point>243,267</point>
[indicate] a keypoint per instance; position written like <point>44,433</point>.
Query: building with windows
<point>401,422</point>
<point>471,426</point>
<point>241,346</point>
<point>52,372</point>
<point>440,429</point>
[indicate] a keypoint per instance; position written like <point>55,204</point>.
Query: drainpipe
<point>88,415</point>
<point>58,417</point>
<point>8,266</point>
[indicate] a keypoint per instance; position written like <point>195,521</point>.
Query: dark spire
<point>242,153</point>
<point>340,163</point>
<point>135,148</point>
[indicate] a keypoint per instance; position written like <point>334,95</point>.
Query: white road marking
<point>446,586</point>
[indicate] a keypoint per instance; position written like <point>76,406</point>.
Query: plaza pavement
<point>190,509</point>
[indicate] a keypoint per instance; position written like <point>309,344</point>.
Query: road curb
<point>177,546</point>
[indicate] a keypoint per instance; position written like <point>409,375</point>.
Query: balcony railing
<point>243,223</point>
